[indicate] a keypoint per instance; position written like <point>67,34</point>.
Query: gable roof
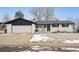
<point>54,22</point>
<point>20,21</point>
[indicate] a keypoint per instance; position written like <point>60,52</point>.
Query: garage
<point>22,29</point>
<point>20,25</point>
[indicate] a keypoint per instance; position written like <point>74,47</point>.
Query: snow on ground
<point>71,41</point>
<point>71,48</point>
<point>39,37</point>
<point>40,48</point>
<point>45,38</point>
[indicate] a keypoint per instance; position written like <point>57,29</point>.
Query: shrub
<point>78,31</point>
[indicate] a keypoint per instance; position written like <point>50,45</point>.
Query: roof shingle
<point>20,21</point>
<point>54,22</point>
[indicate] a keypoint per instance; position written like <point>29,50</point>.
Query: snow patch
<point>71,41</point>
<point>39,37</point>
<point>45,38</point>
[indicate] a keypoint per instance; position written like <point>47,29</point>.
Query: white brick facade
<point>70,28</point>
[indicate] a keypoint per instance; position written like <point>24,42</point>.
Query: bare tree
<point>43,13</point>
<point>6,18</point>
<point>76,21</point>
<point>48,14</point>
<point>19,14</point>
<point>77,24</point>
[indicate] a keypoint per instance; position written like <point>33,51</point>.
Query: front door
<point>48,27</point>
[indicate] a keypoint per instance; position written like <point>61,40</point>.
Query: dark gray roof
<point>20,21</point>
<point>0,22</point>
<point>54,22</point>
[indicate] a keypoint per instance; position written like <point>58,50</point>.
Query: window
<point>55,25</point>
<point>65,25</point>
<point>42,26</point>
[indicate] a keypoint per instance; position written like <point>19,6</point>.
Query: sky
<point>61,13</point>
<point>64,13</point>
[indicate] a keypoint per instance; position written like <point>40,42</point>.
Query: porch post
<point>51,28</point>
<point>9,28</point>
<point>60,27</point>
<point>33,28</point>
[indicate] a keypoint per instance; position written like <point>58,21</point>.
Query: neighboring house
<point>1,26</point>
<point>20,25</point>
<point>55,26</point>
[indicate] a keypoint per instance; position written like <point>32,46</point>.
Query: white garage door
<point>22,29</point>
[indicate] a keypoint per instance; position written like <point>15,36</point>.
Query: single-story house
<point>21,25</point>
<point>55,26</point>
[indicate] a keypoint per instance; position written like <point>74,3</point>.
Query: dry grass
<point>14,39</point>
<point>55,45</point>
<point>23,39</point>
<point>66,36</point>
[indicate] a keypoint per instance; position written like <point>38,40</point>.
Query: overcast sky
<point>61,13</point>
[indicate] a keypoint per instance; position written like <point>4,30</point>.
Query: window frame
<point>65,25</point>
<point>55,25</point>
<point>41,26</point>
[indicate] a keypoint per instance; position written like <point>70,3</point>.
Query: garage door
<point>22,29</point>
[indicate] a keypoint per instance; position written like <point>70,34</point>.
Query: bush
<point>36,30</point>
<point>78,31</point>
